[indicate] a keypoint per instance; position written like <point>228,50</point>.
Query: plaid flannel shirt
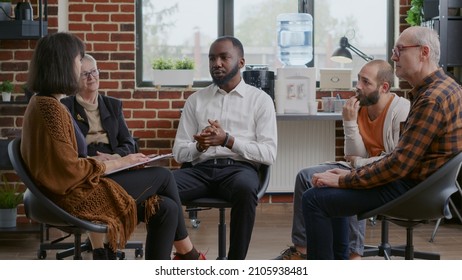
<point>432,134</point>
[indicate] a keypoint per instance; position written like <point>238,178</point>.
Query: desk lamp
<point>343,55</point>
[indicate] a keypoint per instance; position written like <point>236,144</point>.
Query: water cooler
<point>295,84</point>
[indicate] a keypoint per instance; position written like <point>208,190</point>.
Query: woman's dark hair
<point>52,69</point>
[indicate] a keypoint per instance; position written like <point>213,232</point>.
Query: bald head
<point>385,72</point>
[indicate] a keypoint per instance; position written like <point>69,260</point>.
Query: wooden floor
<point>271,235</point>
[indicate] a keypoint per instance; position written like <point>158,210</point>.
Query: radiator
<point>301,143</point>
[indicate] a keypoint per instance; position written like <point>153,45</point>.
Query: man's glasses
<point>86,75</point>
<point>398,49</point>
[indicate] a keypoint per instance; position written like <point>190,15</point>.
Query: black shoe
<point>100,254</point>
<point>111,255</point>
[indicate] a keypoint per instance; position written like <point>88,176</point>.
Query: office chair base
<point>384,249</point>
<point>399,251</point>
<point>68,248</point>
<point>192,213</point>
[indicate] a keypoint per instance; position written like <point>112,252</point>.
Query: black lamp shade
<point>342,55</point>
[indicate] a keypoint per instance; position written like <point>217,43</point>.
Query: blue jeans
<point>326,211</point>
<point>356,228</point>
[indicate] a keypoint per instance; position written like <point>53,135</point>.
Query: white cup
<point>312,107</point>
<point>328,104</point>
<point>338,105</point>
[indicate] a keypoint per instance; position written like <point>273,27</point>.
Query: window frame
<point>225,26</point>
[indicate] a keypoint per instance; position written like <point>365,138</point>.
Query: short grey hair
<point>428,37</point>
<point>89,58</point>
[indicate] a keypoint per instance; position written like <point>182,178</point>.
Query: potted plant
<point>6,88</point>
<point>173,72</point>
<point>10,198</point>
<point>415,13</point>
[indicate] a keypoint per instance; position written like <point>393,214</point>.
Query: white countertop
<point>320,116</point>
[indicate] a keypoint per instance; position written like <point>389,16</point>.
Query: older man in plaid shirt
<point>430,137</point>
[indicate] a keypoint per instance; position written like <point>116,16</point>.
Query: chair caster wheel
<point>41,254</point>
<point>138,253</point>
<point>195,223</point>
<point>121,255</point>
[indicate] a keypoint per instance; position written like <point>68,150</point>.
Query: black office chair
<point>41,209</point>
<point>207,203</point>
<point>438,222</point>
<point>425,202</point>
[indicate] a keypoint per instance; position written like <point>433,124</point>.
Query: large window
<point>180,28</point>
<point>365,23</point>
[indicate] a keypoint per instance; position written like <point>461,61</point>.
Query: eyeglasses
<point>85,75</point>
<point>396,50</point>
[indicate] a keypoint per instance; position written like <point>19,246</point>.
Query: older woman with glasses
<point>99,117</point>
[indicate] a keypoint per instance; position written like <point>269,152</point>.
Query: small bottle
<point>295,38</point>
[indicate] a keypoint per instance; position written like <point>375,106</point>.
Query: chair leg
<point>193,218</point>
<point>454,208</point>
<point>409,249</point>
<point>69,249</point>
<point>384,248</point>
<point>437,225</point>
<point>77,249</point>
<point>222,236</point>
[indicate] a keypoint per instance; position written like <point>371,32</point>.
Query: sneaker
<point>291,254</point>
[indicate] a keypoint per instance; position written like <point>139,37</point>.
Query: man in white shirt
<point>226,131</point>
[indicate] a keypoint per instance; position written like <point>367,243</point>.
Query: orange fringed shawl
<point>49,149</point>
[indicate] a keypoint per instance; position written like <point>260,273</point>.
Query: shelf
<point>21,102</point>
<point>442,17</point>
<point>320,116</point>
<point>22,228</point>
<point>26,29</point>
<point>22,29</point>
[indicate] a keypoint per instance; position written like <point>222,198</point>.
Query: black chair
<point>42,210</point>
<point>207,203</point>
<point>454,208</point>
<point>423,203</point>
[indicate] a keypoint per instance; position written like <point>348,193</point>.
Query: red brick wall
<point>108,29</point>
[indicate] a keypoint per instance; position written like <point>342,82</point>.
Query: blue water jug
<point>295,38</point>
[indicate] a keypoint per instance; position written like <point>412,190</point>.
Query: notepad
<point>152,158</point>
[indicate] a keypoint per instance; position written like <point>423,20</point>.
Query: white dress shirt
<point>246,113</point>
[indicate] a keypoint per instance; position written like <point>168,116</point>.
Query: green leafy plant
<point>185,63</point>
<point>415,13</point>
<point>170,64</point>
<point>6,86</point>
<point>9,196</point>
<point>163,63</point>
